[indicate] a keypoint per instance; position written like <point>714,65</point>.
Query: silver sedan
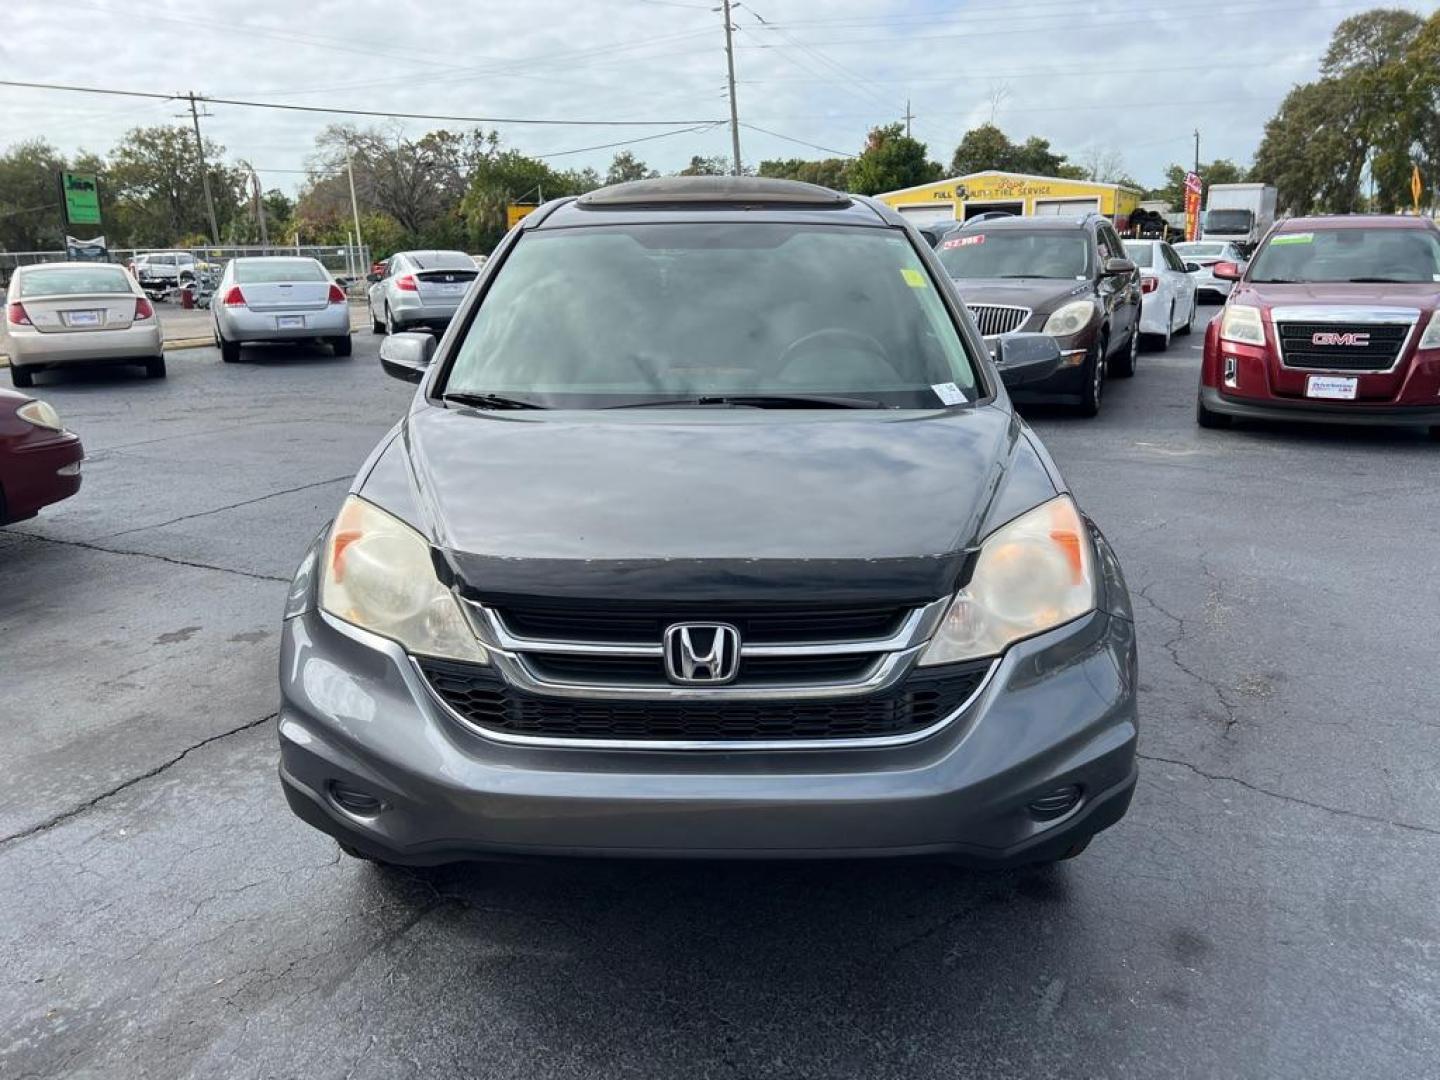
<point>419,289</point>
<point>78,313</point>
<point>278,298</point>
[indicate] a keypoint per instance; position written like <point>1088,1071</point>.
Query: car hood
<point>1038,294</point>
<point>1418,295</point>
<point>708,505</point>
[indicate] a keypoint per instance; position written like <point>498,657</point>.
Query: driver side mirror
<point>1026,358</point>
<point>407,356</point>
<point>1118,267</point>
<point>373,277</point>
<point>1226,271</point>
<point>1192,268</point>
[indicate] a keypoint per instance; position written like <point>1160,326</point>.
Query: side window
<point>1107,249</point>
<point>392,265</point>
<point>1113,240</point>
<point>1171,259</point>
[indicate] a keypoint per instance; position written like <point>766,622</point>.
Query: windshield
<point>73,281</point>
<point>1141,254</point>
<point>1228,221</point>
<point>1007,253</point>
<point>623,314</point>
<point>1377,255</point>
<point>441,260</point>
<point>1201,250</point>
<point>267,271</point>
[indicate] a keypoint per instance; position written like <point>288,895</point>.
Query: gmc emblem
<point>1359,341</point>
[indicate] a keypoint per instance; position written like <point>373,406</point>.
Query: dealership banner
<point>1192,206</point>
<point>93,250</point>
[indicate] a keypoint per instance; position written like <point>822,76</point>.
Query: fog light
<point>72,469</point>
<point>1232,372</point>
<point>352,801</point>
<point>1072,358</point>
<point>1057,803</point>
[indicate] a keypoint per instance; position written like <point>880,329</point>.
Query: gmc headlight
<point>1033,574</point>
<point>40,414</point>
<point>1069,318</point>
<point>1431,338</point>
<point>1242,324</point>
<point>378,576</point>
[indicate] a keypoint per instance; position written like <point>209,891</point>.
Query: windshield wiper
<point>760,401</point>
<point>490,401</point>
<point>1381,281</point>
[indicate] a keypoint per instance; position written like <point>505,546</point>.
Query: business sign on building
<point>82,197</point>
<point>1192,206</point>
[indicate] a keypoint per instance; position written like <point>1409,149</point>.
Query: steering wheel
<point>839,335</point>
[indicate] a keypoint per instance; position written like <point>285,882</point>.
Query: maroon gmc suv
<point>1333,320</point>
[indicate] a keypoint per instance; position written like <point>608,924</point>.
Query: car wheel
<point>1124,367</point>
<point>341,345</point>
<point>229,351</point>
<point>20,377</point>
<point>1208,419</point>
<point>1094,390</point>
<point>155,367</point>
<point>389,320</point>
<point>376,326</point>
<point>1190,322</point>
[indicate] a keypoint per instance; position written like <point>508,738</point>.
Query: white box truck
<point>1240,213</point>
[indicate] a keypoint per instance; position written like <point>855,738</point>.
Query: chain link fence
<point>348,264</point>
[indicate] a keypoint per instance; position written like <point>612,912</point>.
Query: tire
<point>1094,391</point>
<point>1184,331</point>
<point>155,367</point>
<point>341,345</point>
<point>21,378</point>
<point>1207,419</point>
<point>229,351</point>
<point>376,326</point>
<point>390,327</point>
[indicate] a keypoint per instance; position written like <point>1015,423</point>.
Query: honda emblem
<point>702,653</point>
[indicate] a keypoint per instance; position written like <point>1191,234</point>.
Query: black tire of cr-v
<point>21,378</point>
<point>1207,418</point>
<point>1094,391</point>
<point>341,345</point>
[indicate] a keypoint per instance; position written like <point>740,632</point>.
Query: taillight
<point>15,315</point>
<point>143,310</point>
<point>1149,284</point>
<point>234,297</point>
<point>337,295</point>
<point>406,283</point>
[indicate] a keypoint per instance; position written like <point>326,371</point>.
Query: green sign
<point>82,198</point>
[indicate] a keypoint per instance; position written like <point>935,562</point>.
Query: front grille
<point>1298,348</point>
<point>482,698</point>
<point>643,626</point>
<point>650,671</point>
<point>995,319</point>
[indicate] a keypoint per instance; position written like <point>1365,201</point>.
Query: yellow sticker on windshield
<point>914,278</point>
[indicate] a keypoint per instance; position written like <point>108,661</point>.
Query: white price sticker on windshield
<point>948,393</point>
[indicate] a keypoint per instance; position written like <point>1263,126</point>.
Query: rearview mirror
<point>407,356</point>
<point>1026,358</point>
<point>1117,267</point>
<point>372,278</point>
<point>1226,271</point>
<point>1192,268</point>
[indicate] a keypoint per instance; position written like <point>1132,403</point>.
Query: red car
<point>39,459</point>
<point>1333,320</point>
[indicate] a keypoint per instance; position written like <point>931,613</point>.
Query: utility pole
<point>354,206</point>
<point>734,110</point>
<point>908,117</point>
<point>204,169</point>
<point>1197,151</point>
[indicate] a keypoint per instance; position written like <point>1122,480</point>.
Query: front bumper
<point>1325,412</point>
<point>43,469</point>
<point>241,324</point>
<point>1058,710</point>
<point>406,313</point>
<point>32,349</point>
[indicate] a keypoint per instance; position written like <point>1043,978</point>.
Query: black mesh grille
<point>1298,348</point>
<point>478,694</point>
<point>647,626</point>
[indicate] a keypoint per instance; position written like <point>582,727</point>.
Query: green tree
<point>987,147</point>
<point>706,166</point>
<point>1219,171</point>
<point>625,166</point>
<point>156,190</point>
<point>30,208</point>
<point>827,172</point>
<point>891,160</point>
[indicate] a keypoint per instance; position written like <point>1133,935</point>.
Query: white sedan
<point>1205,254</point>
<point>1167,290</point>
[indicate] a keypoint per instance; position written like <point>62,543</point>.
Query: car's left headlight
<point>41,414</point>
<point>378,575</point>
<point>1033,574</point>
<point>1069,318</point>
<point>1431,338</point>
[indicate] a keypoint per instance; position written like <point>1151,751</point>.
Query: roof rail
<point>713,191</point>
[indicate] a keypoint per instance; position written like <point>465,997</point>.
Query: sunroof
<point>745,190</point>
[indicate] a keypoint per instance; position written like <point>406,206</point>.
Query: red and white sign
<point>1193,188</point>
<point>964,241</point>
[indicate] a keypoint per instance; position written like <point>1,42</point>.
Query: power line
<point>801,142</point>
<point>630,142</point>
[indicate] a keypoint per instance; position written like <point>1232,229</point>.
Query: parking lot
<point>1266,909</point>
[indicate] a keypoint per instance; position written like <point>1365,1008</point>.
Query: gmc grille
<point>993,319</point>
<point>1298,348</point>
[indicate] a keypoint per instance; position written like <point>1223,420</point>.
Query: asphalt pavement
<point>1267,909</point>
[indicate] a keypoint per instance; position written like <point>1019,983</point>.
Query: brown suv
<point>1066,277</point>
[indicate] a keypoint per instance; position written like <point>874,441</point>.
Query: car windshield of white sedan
<point>1141,254</point>
<point>1389,255</point>
<point>1202,250</point>
<point>676,313</point>
<point>270,271</point>
<point>1016,253</point>
<point>73,281</point>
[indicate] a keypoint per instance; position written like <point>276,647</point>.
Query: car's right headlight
<point>1033,574</point>
<point>1241,323</point>
<point>378,576</point>
<point>41,414</point>
<point>1431,338</point>
<point>1069,318</point>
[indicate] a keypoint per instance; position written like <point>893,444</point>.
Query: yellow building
<point>963,197</point>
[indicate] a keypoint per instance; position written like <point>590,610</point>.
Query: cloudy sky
<point>1133,77</point>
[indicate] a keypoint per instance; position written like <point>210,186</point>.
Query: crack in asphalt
<point>90,804</point>
<point>1336,810</point>
<point>151,555</point>
<point>1172,648</point>
<point>222,509</point>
